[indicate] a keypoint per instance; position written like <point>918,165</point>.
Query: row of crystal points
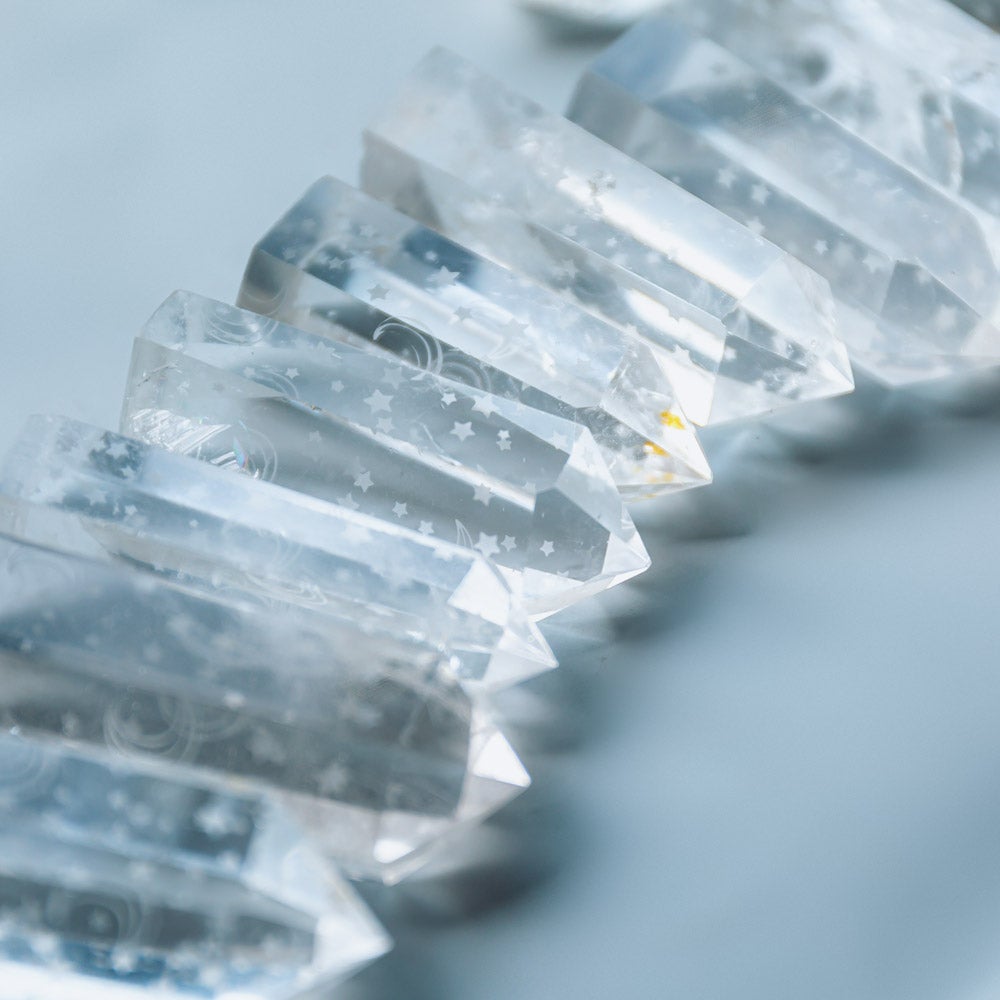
<point>253,634</point>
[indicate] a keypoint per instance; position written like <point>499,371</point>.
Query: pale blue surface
<point>779,777</point>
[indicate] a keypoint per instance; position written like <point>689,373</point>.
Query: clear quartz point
<point>117,883</point>
<point>345,265</point>
<point>739,325</point>
<point>403,445</point>
<point>190,521</point>
<point>372,746</point>
<point>897,203</point>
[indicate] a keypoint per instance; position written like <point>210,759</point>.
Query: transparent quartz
<point>522,487</point>
<point>191,521</point>
<point>120,884</point>
<point>740,326</point>
<point>723,97</point>
<point>343,264</point>
<point>370,745</point>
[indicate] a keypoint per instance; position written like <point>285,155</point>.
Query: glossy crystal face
<point>738,325</point>
<point>119,882</point>
<point>898,202</point>
<point>366,740</point>
<point>365,431</point>
<point>346,266</point>
<point>188,520</point>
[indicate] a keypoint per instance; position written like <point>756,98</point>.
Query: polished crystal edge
<point>115,883</point>
<point>915,279</point>
<point>344,265</point>
<point>375,434</point>
<point>191,521</point>
<point>377,753</point>
<point>454,129</point>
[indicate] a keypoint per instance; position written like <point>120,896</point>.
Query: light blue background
<point>768,771</point>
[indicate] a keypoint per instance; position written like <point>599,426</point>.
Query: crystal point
<point>119,883</point>
<point>342,264</point>
<point>893,205</point>
<point>403,445</point>
<point>495,171</point>
<point>186,519</point>
<point>368,742</point>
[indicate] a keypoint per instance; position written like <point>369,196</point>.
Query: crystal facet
<point>342,264</point>
<point>467,156</point>
<point>723,97</point>
<point>377,751</point>
<point>185,518</point>
<point>119,884</point>
<point>371,432</point>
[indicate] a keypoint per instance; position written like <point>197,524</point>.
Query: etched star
<point>463,431</point>
<point>482,493</point>
<point>484,405</point>
<point>547,548</point>
<point>509,542</point>
<point>426,528</point>
<point>399,509</point>
<point>377,292</point>
<point>379,402</point>
<point>448,398</point>
<point>364,481</point>
<point>487,544</point>
<point>442,277</point>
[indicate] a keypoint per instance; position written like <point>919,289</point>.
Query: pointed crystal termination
<point>915,277</point>
<point>377,752</point>
<point>189,520</point>
<point>398,443</point>
<point>460,152</point>
<point>117,883</point>
<point>461,316</point>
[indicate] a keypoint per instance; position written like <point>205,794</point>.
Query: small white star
<point>482,494</point>
<point>337,385</point>
<point>821,247</point>
<point>726,177</point>
<point>760,194</point>
<point>384,424</point>
<point>399,509</point>
<point>509,542</point>
<point>364,482</point>
<point>117,450</point>
<point>448,398</point>
<point>487,544</point>
<point>379,401</point>
<point>463,431</point>
<point>503,440</point>
<point>291,373</point>
<point>393,376</point>
<point>484,405</point>
<point>462,313</point>
<point>426,528</point>
<point>442,277</point>
<point>377,292</point>
<point>547,548</point>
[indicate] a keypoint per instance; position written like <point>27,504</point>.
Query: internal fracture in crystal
<point>527,489</point>
<point>189,520</point>
<point>892,204</point>
<point>344,265</point>
<point>369,744</point>
<point>739,325</point>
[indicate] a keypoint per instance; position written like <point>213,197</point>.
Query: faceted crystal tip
<point>359,428</point>
<point>898,204</point>
<point>120,884</point>
<point>345,266</point>
<point>454,130</point>
<point>188,520</point>
<point>365,739</point>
